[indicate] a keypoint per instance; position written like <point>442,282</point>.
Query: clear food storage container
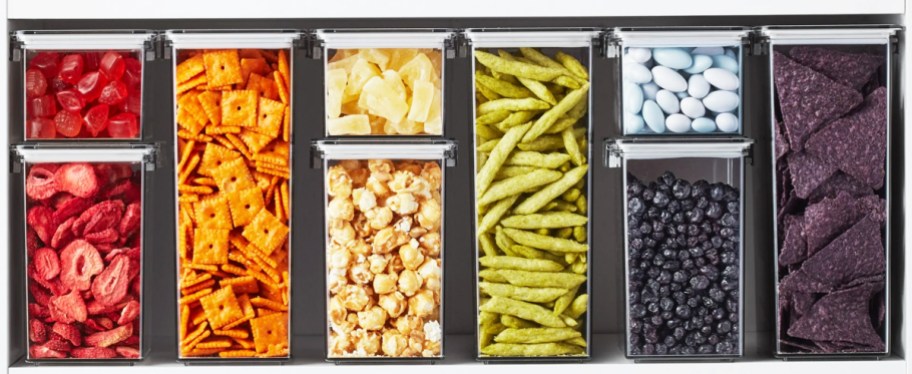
<point>684,232</point>
<point>384,248</point>
<point>681,81</point>
<point>233,165</point>
<point>384,83</point>
<point>83,225</point>
<point>532,150</point>
<point>832,90</point>
<point>83,84</point>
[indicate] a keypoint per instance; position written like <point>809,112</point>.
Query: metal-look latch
<point>451,155</point>
<point>152,48</point>
<point>613,155</point>
<point>313,45</point>
<point>457,45</point>
<point>15,48</point>
<point>759,43</point>
<point>165,46</point>
<point>316,156</point>
<point>610,45</point>
<point>15,160</point>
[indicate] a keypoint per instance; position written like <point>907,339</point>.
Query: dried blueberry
<point>700,282</point>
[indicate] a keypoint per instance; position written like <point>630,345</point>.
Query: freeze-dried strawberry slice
<point>40,351</point>
<point>79,261</point>
<point>78,179</point>
<point>37,331</point>
<point>93,326</point>
<point>36,310</point>
<point>129,313</point>
<point>96,308</point>
<point>52,285</point>
<point>110,286</point>
<point>104,236</point>
<point>68,332</point>
<point>40,183</point>
<point>32,242</point>
<point>111,173</point>
<point>110,337</point>
<point>101,216</point>
<point>93,352</point>
<point>127,352</point>
<point>41,218</point>
<point>105,322</point>
<point>64,233</point>
<point>41,296</point>
<point>130,221</point>
<point>47,265</point>
<point>71,207</point>
<point>133,340</point>
<point>68,308</point>
<point>58,344</point>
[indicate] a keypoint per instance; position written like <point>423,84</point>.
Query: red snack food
<point>64,233</point>
<point>105,236</point>
<point>68,308</point>
<point>71,68</point>
<point>93,353</point>
<point>37,331</point>
<point>47,265</point>
<point>47,63</point>
<point>68,124</point>
<point>43,106</point>
<point>127,352</point>
<point>39,351</point>
<point>111,285</point>
<point>71,100</point>
<point>35,83</point>
<point>68,332</point>
<point>129,313</point>
<point>78,179</point>
<point>42,128</point>
<point>40,183</point>
<point>112,65</point>
<point>79,262</point>
<point>91,84</point>
<point>71,207</point>
<point>100,217</point>
<point>110,337</point>
<point>96,119</point>
<point>41,219</point>
<point>131,219</point>
<point>133,72</point>
<point>123,125</point>
<point>58,344</point>
<point>113,93</point>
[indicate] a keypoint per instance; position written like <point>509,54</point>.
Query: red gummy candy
<point>41,128</point>
<point>68,332</point>
<point>103,236</point>
<point>131,219</point>
<point>123,125</point>
<point>96,119</point>
<point>39,351</point>
<point>91,84</point>
<point>40,183</point>
<point>47,63</point>
<point>110,286</point>
<point>78,179</point>
<point>41,218</point>
<point>79,261</point>
<point>71,100</point>
<point>133,72</point>
<point>69,124</point>
<point>113,93</point>
<point>93,353</point>
<point>68,308</point>
<point>71,68</point>
<point>37,331</point>
<point>35,83</point>
<point>133,104</point>
<point>129,313</point>
<point>47,265</point>
<point>112,65</point>
<point>127,352</point>
<point>43,106</point>
<point>110,337</point>
<point>64,233</point>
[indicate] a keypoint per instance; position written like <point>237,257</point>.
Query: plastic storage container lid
<point>262,39</point>
<point>396,150</point>
<point>615,149</point>
<point>829,34</point>
<point>392,38</point>
<point>690,37</point>
<point>85,40</point>
<point>542,38</point>
<point>43,153</point>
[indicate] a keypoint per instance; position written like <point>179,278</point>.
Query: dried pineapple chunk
<point>419,68</point>
<point>434,123</point>
<point>381,99</point>
<point>361,72</point>
<point>434,127</point>
<point>399,57</point>
<point>335,89</point>
<point>393,79</point>
<point>379,57</point>
<point>422,97</point>
<point>357,124</point>
<point>343,63</point>
<point>407,127</point>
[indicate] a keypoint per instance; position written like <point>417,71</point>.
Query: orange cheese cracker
<point>269,330</point>
<point>239,108</point>
<point>223,67</point>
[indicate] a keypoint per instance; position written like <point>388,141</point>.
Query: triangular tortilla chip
<point>794,247</point>
<point>808,172</point>
<point>841,316</point>
<point>857,253</point>
<point>850,69</point>
<point>839,182</point>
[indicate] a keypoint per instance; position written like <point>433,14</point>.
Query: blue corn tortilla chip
<point>843,347</point>
<point>857,143</point>
<point>799,281</point>
<point>808,99</point>
<point>850,69</point>
<point>841,316</point>
<point>782,145</point>
<point>839,182</point>
<point>829,218</point>
<point>857,253</point>
<point>874,207</point>
<point>800,345</point>
<point>808,172</point>
<point>793,249</point>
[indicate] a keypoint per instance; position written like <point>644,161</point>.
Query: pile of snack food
<point>530,188</point>
<point>831,149</point>
<point>84,260</point>
<point>233,192</point>
<point>383,254</point>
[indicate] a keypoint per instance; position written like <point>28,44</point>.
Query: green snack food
<point>512,105</point>
<point>538,200</point>
<point>487,245</point>
<point>519,263</point>
<point>543,144</point>
<point>550,117</point>
<point>516,185</point>
<point>517,68</point>
<point>545,242</point>
<point>491,118</point>
<point>540,58</point>
<point>492,275</point>
<point>530,294</point>
<point>499,154</point>
<point>567,81</point>
<point>536,335</point>
<point>531,350</point>
<point>562,124</point>
<point>488,93</point>
<point>577,341</point>
<point>573,150</point>
<point>538,159</point>
<point>503,88</point>
<point>503,242</point>
<point>550,220</point>
<point>486,132</point>
<point>513,171</point>
<point>536,279</point>
<point>495,213</point>
<point>521,250</point>
<point>563,302</point>
<point>571,195</point>
<point>522,310</point>
<point>515,323</point>
<point>578,306</point>
<point>516,119</point>
<point>579,233</point>
<point>488,145</point>
<point>573,65</point>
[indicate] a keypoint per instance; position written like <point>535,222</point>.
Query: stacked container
<point>532,150</point>
<point>682,157</point>
<point>384,163</point>
<point>831,91</point>
<point>83,200</point>
<point>233,164</point>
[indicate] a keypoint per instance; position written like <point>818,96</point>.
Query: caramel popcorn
<point>383,258</point>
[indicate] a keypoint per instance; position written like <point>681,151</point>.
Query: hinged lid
<point>843,34</point>
<point>388,38</point>
<point>680,37</point>
<point>541,38</point>
<point>202,39</point>
<point>43,153</point>
<point>363,149</point>
<point>85,39</point>
<point>617,149</point>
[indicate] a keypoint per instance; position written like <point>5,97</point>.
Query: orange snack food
<point>233,172</point>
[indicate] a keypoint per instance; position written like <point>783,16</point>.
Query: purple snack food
<point>839,182</point>
<point>808,172</point>
<point>808,99</point>
<point>794,247</point>
<point>857,143</point>
<point>855,254</point>
<point>850,69</point>
<point>841,316</point>
<point>782,146</point>
<point>827,219</point>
